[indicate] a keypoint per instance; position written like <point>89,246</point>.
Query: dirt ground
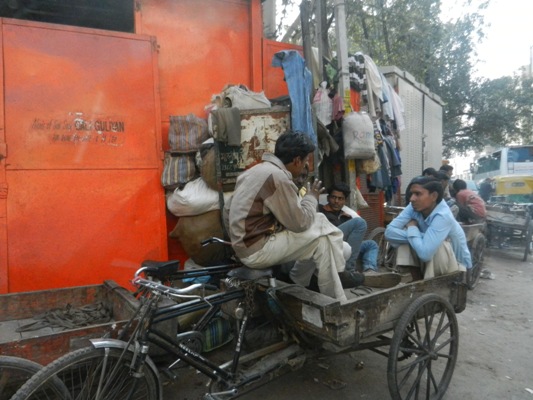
<point>495,358</point>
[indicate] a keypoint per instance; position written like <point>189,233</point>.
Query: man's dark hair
<point>340,187</point>
<point>293,144</point>
<point>446,167</point>
<point>442,176</point>
<point>429,183</point>
<point>429,172</point>
<point>459,185</point>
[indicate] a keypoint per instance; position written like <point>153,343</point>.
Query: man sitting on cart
<point>353,229</point>
<point>471,206</point>
<point>269,224</point>
<point>427,234</point>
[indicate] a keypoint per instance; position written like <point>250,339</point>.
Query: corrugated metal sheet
<point>432,133</point>
<point>411,138</point>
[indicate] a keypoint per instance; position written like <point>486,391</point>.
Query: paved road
<point>495,356</point>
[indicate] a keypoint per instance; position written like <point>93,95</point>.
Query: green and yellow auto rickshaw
<point>509,212</point>
<point>513,189</point>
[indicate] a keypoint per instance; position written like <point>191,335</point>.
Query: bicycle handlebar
<point>163,289</point>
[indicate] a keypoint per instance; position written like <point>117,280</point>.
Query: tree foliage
<point>411,35</point>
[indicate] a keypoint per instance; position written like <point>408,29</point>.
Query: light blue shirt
<point>430,233</point>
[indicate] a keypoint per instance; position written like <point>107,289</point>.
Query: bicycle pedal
<point>170,375</point>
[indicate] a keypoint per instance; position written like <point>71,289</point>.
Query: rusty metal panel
<point>45,344</point>
<point>259,131</point>
<point>83,165</point>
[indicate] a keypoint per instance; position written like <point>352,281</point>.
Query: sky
<point>509,37</point>
<point>506,47</point>
<point>508,40</point>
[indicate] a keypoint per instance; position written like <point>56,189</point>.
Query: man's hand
<point>315,189</point>
<point>412,223</point>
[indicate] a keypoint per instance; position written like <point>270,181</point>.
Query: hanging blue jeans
<point>300,84</point>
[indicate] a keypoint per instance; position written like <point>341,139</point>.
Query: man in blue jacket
<point>435,241</point>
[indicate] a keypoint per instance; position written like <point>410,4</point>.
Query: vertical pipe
<point>342,53</point>
<point>344,83</point>
<point>269,19</point>
<point>305,13</point>
<point>320,27</point>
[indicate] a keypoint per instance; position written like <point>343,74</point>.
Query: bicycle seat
<point>160,269</point>
<point>250,274</point>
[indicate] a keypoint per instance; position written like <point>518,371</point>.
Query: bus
<point>512,160</point>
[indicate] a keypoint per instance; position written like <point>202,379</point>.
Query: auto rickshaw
<point>512,189</point>
<point>510,211</point>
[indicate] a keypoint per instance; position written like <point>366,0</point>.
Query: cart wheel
<point>477,252</point>
<point>386,253</point>
<point>528,245</point>
<point>423,351</point>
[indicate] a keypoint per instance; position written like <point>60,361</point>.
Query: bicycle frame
<point>147,331</point>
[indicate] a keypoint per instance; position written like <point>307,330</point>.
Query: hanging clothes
<point>398,109</point>
<point>388,112</point>
<point>299,82</point>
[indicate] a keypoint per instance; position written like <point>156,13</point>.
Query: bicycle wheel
<point>14,372</point>
<point>423,351</point>
<point>386,253</point>
<point>91,373</point>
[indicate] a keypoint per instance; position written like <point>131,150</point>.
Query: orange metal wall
<point>82,127</point>
<point>202,46</point>
<point>273,77</point>
<point>77,207</point>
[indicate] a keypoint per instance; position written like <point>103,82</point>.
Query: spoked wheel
<point>14,372</point>
<point>92,374</point>
<point>477,252</point>
<point>386,253</point>
<point>528,245</point>
<point>423,351</point>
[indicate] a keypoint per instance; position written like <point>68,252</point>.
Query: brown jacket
<point>265,201</point>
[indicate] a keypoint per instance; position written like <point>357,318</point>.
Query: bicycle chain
<point>249,288</point>
<point>249,295</point>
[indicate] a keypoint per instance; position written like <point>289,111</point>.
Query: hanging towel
<point>227,125</point>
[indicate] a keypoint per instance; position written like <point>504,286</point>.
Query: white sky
<point>509,37</point>
<point>505,49</point>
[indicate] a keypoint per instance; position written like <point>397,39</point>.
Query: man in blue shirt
<point>431,231</point>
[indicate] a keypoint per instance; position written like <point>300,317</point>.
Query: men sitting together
<point>271,223</point>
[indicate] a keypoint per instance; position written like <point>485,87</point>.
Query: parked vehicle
<point>513,189</point>
<point>505,161</point>
<point>415,322</point>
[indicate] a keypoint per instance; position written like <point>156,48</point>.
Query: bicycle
<point>118,369</point>
<point>14,372</point>
<point>416,321</point>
